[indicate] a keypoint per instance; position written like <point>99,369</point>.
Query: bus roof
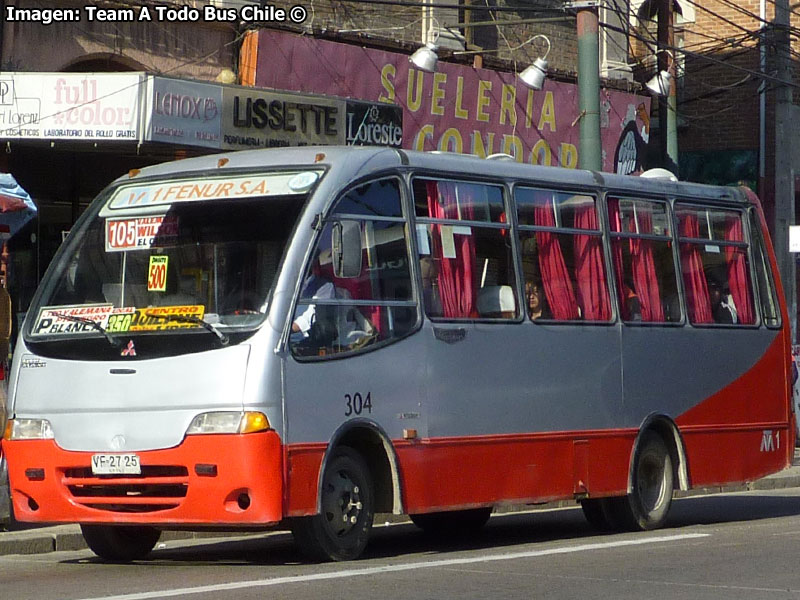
<point>360,161</point>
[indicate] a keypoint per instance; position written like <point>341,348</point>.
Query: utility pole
<point>590,153</point>
<point>667,105</point>
<point>784,174</point>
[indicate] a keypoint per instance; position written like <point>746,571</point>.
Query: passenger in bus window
<point>315,287</point>
<point>722,307</point>
<point>537,305</point>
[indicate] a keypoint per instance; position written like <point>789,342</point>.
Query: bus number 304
<point>356,404</point>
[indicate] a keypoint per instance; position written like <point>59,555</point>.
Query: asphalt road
<point>731,546</point>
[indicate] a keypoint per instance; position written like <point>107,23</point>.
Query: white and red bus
<point>310,336</point>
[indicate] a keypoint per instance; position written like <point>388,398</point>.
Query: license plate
<point>116,464</point>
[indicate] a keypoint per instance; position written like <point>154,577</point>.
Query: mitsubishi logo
<point>129,350</point>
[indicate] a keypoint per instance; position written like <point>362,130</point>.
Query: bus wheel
<point>453,521</point>
<point>341,530</point>
<point>649,502</point>
<point>120,543</point>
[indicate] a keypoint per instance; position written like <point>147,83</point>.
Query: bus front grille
<point>156,488</point>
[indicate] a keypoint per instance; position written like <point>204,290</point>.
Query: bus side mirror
<point>346,249</point>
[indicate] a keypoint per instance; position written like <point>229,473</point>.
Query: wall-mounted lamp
<point>661,83</point>
<point>425,58</point>
<point>533,76</point>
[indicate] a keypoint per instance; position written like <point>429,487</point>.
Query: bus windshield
<point>173,257</point>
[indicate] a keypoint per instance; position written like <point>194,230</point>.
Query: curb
<point>59,538</point>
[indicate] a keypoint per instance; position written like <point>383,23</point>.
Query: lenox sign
<point>186,106</point>
<point>183,112</point>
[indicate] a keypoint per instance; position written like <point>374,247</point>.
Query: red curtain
<point>556,281</point>
<point>644,269</point>
<point>694,278</point>
<point>738,280</point>
<point>456,275</point>
<point>589,272</point>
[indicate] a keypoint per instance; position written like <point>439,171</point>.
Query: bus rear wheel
<point>647,506</point>
<point>649,502</point>
<point>120,543</point>
<point>341,531</point>
<point>452,522</point>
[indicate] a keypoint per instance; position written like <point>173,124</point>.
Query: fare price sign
<point>157,274</point>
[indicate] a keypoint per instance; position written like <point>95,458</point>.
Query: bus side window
<point>562,256</point>
<point>465,253</point>
<point>641,254</point>
<point>715,266</point>
<point>341,313</point>
<point>766,286</point>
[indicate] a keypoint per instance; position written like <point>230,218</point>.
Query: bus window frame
<point>505,189</point>
<point>742,210</point>
<point>319,225</point>
<point>611,194</point>
<point>598,194</point>
<point>754,217</point>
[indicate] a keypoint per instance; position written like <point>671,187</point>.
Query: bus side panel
<point>453,473</point>
<point>743,432</point>
<point>304,462</point>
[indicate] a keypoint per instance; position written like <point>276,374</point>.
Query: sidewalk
<point>40,540</point>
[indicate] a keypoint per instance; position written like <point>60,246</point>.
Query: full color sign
<point>69,106</point>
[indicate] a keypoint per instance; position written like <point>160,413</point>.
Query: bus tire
<point>453,521</point>
<point>341,530</point>
<point>120,543</point>
<point>648,504</point>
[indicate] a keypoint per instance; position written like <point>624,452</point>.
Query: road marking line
<point>236,585</point>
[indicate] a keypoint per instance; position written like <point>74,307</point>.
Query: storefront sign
<point>69,106</point>
<point>374,124</point>
<point>254,118</point>
<point>184,112</point>
<point>458,108</point>
<point>106,106</point>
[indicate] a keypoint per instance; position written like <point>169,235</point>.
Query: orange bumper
<point>206,480</point>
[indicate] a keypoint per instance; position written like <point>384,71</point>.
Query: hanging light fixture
<point>425,58</point>
<point>534,75</point>
<point>660,84</point>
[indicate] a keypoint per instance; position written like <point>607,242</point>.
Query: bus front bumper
<point>212,480</point>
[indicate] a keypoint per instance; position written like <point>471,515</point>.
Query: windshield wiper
<point>94,325</point>
<point>223,339</point>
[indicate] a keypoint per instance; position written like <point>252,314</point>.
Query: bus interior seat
<point>497,302</point>
<point>352,326</point>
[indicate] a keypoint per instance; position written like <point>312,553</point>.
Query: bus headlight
<point>228,422</point>
<point>28,429</point>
